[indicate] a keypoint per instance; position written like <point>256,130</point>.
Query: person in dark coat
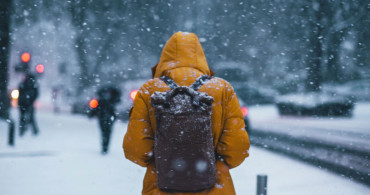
<point>108,97</point>
<point>28,92</point>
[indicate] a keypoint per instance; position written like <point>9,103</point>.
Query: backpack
<point>183,144</point>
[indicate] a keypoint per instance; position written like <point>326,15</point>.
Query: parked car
<point>236,74</point>
<point>315,104</point>
<point>245,112</point>
<point>358,89</point>
<point>254,95</point>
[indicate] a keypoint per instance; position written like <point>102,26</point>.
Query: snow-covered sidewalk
<point>65,159</point>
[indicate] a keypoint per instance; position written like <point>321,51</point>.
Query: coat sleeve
<point>139,139</point>
<point>233,145</point>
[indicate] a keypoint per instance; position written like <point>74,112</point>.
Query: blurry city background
<point>301,70</point>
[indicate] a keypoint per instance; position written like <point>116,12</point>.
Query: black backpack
<point>183,145</point>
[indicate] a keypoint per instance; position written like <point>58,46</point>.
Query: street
<point>65,159</point>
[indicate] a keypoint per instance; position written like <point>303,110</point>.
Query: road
<point>338,144</point>
<point>65,159</point>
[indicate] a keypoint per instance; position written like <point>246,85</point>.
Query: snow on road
<point>65,159</point>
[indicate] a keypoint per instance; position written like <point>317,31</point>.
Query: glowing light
<point>40,68</point>
<point>14,94</point>
<point>14,103</point>
<point>244,111</point>
<point>26,57</point>
<point>93,103</point>
<point>133,94</point>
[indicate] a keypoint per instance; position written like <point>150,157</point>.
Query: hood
<point>182,50</point>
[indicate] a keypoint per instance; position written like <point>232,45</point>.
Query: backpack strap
<point>200,81</point>
<point>195,86</point>
<point>171,83</point>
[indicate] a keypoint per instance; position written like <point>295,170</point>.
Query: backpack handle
<point>164,98</point>
<point>195,86</point>
<point>191,91</point>
<point>171,83</point>
<point>200,81</point>
<point>185,90</point>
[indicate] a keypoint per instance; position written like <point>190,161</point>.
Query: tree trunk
<point>5,11</point>
<point>314,79</point>
<point>333,73</point>
<point>78,12</point>
<point>84,76</point>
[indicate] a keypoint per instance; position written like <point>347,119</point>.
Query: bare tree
<point>314,79</point>
<point>5,11</point>
<point>340,18</point>
<point>78,12</point>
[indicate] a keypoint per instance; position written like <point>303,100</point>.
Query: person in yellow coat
<point>183,60</point>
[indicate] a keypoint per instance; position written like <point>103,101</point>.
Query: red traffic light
<point>26,57</point>
<point>40,68</point>
<point>93,103</point>
<point>133,94</point>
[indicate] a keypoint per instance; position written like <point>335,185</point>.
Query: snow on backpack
<point>183,144</point>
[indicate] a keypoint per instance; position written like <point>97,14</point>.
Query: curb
<point>344,160</point>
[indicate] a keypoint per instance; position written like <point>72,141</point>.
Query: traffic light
<point>23,65</point>
<point>93,103</point>
<point>26,57</point>
<point>40,68</point>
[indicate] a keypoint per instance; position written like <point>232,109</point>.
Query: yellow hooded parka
<point>183,60</point>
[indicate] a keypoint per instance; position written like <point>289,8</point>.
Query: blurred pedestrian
<point>108,97</point>
<point>28,92</point>
<point>154,117</point>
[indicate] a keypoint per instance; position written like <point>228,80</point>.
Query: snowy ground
<point>65,159</point>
